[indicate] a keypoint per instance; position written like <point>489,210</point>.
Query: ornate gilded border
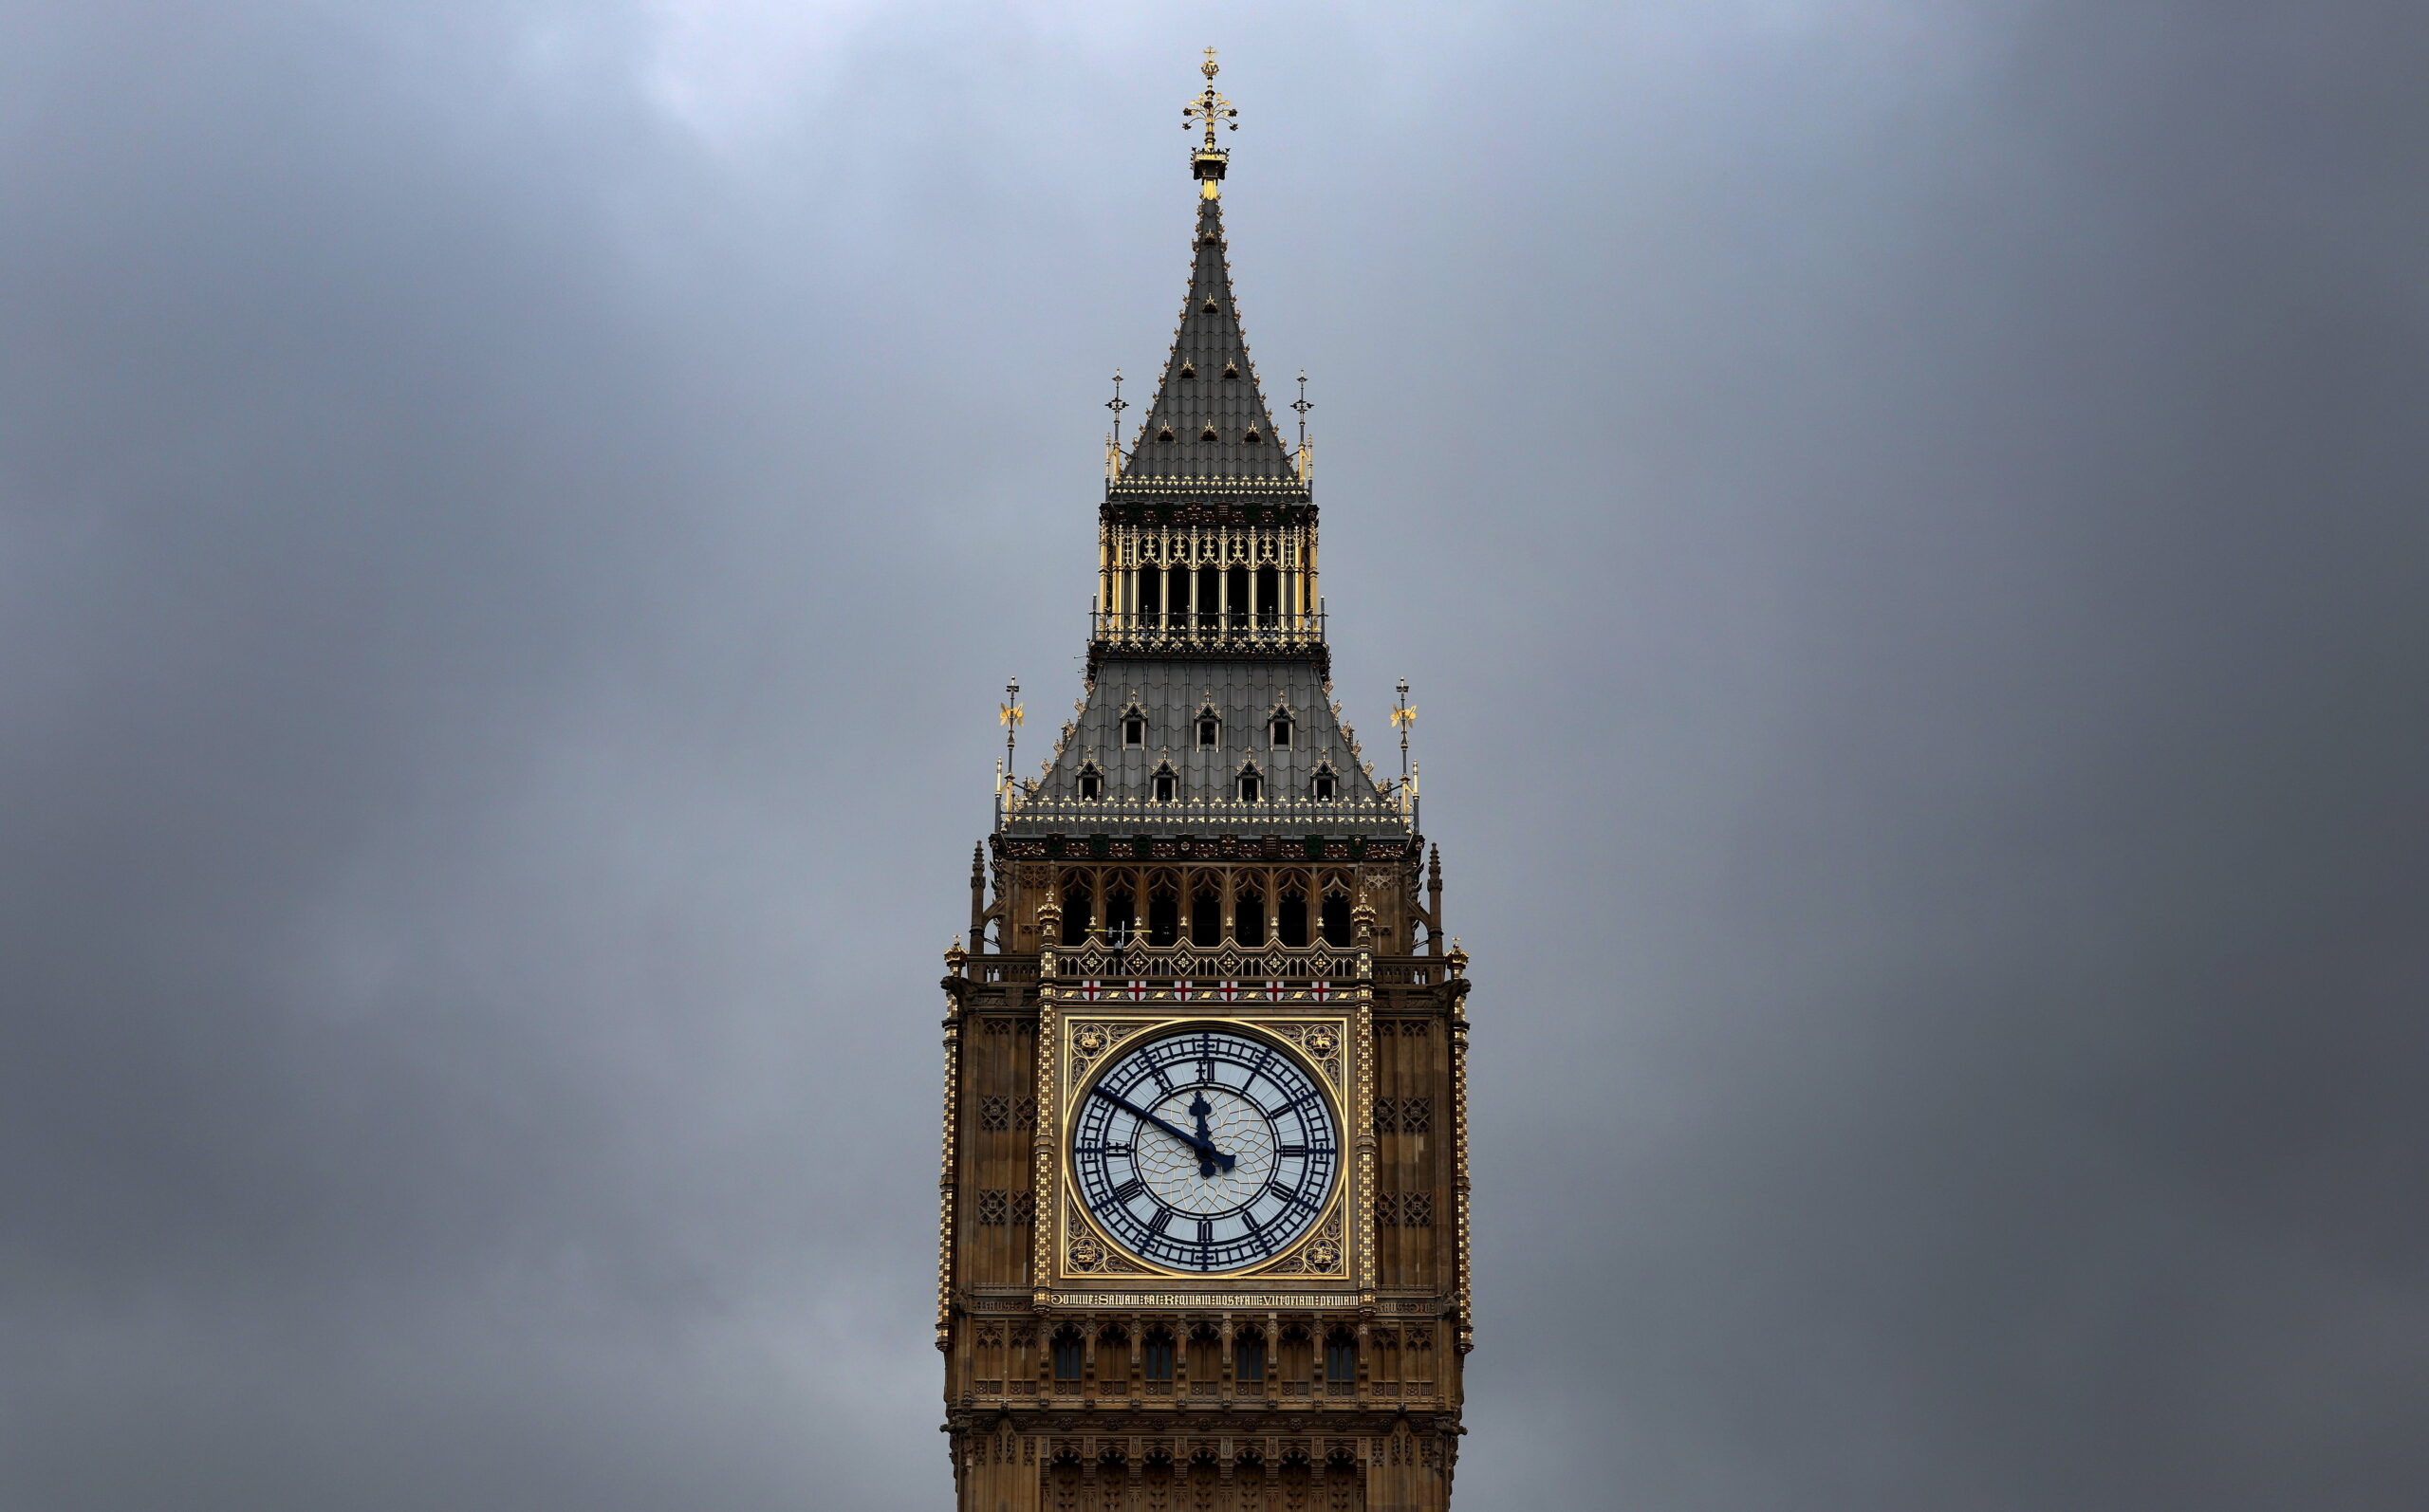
<point>1084,1034</point>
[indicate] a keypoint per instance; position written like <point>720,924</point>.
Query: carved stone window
<point>994,1207</point>
<point>995,1113</point>
<point>1068,1354</point>
<point>1417,1114</point>
<point>1341,1357</point>
<point>1024,1207</point>
<point>1025,1113</point>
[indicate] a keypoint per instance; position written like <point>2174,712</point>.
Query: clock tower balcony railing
<point>1139,633</point>
<point>1038,813</point>
<point>1126,956</point>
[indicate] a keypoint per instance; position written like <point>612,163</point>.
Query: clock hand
<point>1205,1147</point>
<point>1199,1108</point>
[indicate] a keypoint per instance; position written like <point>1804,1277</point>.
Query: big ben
<point>1203,1241</point>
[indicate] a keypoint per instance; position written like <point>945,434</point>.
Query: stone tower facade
<point>1203,1240</point>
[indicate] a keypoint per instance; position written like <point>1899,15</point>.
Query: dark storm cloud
<point>1904,521</point>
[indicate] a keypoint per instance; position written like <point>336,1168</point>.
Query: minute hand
<point>1204,1147</point>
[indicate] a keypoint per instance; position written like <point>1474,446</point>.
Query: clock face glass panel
<point>1205,1149</point>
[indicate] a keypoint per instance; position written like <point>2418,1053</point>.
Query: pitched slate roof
<point>1244,694</point>
<point>1209,384</point>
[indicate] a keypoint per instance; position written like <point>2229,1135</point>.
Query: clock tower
<point>1203,1241</point>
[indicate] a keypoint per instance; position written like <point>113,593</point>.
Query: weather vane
<point>1404,715</point>
<point>1306,458</point>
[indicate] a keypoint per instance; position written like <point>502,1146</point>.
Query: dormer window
<point>1324,787</point>
<point>1252,437</point>
<point>1189,370</point>
<point>1134,728</point>
<point>1165,785</point>
<point>1232,372</point>
<point>1091,783</point>
<point>1165,433</point>
<point>1280,729</point>
<point>1210,732</point>
<point>1210,307</point>
<point>1207,434</point>
<point>1252,783</point>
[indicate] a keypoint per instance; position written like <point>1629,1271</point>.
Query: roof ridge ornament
<point>1210,109</point>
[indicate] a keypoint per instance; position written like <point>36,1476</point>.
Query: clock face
<point>1205,1149</point>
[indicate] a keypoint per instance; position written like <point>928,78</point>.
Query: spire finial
<point>1211,110</point>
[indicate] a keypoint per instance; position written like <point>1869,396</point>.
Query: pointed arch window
<point>1155,1355</point>
<point>1334,919</point>
<point>1248,1357</point>
<point>1206,913</point>
<point>1248,913</point>
<point>1341,1357</point>
<point>1163,914</point>
<point>1067,1353</point>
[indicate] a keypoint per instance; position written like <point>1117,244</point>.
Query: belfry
<point>1203,1241</point>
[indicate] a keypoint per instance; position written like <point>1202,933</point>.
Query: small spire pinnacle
<point>1213,110</point>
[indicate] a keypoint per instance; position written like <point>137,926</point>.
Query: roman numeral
<point>1205,1233</point>
<point>1128,1189</point>
<point>1162,1221</point>
<point>1115,1149</point>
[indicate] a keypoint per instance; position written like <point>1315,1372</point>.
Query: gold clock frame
<point>1332,1256</point>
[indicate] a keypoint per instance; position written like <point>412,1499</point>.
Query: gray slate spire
<point>1209,384</point>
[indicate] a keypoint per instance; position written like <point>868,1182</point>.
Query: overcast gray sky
<point>1905,521</point>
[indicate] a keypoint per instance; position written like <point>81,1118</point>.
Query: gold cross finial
<point>1210,107</point>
